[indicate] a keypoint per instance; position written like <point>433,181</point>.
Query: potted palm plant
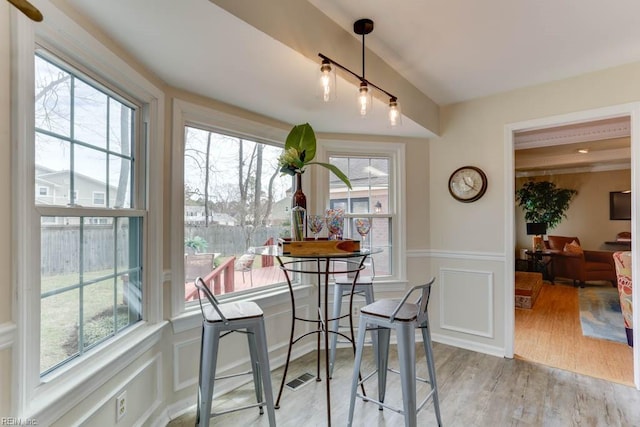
<point>543,202</point>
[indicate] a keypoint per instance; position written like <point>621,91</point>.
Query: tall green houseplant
<point>543,201</point>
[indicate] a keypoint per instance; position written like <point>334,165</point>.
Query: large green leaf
<point>337,172</point>
<point>302,138</point>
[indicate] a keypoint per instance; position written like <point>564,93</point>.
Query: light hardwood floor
<point>475,390</point>
<point>550,333</point>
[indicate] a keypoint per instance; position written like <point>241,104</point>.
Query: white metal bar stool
<point>343,287</point>
<point>220,320</point>
<point>404,318</point>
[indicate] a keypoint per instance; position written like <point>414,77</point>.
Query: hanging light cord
<point>363,77</point>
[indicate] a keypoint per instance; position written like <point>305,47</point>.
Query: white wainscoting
<point>466,301</point>
<point>144,390</point>
<point>186,353</point>
<point>467,298</point>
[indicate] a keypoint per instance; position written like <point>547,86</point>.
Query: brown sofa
<point>580,267</point>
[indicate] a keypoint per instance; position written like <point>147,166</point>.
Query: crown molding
<point>618,127</point>
<point>564,171</point>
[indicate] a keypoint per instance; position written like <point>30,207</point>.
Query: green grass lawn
<point>60,315</point>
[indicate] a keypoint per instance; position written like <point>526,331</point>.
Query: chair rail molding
<point>462,255</point>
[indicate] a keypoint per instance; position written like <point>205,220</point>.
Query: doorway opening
<point>550,332</point>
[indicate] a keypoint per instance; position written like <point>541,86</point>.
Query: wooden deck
<point>243,280</point>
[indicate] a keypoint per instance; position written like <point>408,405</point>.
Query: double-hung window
<point>87,141</point>
<point>375,173</point>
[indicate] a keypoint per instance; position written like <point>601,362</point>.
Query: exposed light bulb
<point>327,81</point>
<point>395,118</point>
<point>364,99</point>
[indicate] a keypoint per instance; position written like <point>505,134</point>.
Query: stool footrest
<point>377,402</point>
<point>399,411</point>
<point>239,374</point>
<point>422,380</point>
<point>384,405</point>
<point>241,408</point>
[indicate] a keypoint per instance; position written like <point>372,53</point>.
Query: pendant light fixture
<point>327,81</point>
<point>364,99</point>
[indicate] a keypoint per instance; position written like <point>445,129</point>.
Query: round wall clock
<point>467,184</point>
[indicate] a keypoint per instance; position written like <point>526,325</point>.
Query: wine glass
<point>363,226</point>
<point>315,224</point>
<point>335,223</point>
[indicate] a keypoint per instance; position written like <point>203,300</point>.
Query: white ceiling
<point>456,50</point>
<point>451,50</point>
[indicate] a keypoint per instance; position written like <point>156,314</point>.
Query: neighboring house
<point>194,215</point>
<point>281,211</point>
<point>52,188</point>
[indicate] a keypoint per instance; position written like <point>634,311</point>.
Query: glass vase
<point>298,223</point>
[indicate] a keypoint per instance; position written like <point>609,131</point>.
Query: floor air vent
<point>298,382</point>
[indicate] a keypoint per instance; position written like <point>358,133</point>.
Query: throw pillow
<point>573,248</point>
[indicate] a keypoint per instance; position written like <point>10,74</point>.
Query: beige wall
<point>588,214</point>
<point>5,161</point>
<point>468,246</point>
<point>5,211</point>
<point>417,197</point>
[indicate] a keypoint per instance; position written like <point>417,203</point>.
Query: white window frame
<point>395,152</point>
<point>104,198</point>
<point>186,316</point>
<point>47,399</point>
<point>46,192</point>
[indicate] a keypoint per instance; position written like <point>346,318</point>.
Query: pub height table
<point>322,265</point>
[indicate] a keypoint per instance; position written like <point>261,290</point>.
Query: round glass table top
<point>274,250</point>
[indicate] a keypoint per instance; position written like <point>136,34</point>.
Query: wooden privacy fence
<point>61,245</point>
<point>231,240</point>
<point>60,248</point>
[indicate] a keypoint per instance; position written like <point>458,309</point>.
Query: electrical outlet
<point>121,405</point>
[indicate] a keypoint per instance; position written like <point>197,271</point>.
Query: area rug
<point>600,314</point>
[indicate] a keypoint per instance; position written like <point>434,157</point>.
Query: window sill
<point>60,391</point>
<point>191,317</point>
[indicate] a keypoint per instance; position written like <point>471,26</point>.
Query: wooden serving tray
<point>322,246</point>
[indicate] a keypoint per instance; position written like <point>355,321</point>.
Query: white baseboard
<point>469,345</point>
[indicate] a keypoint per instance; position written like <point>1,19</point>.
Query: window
<point>375,173</point>
<point>369,178</point>
<point>235,200</point>
<point>43,191</point>
<point>98,198</point>
<point>90,265</point>
<point>356,205</point>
